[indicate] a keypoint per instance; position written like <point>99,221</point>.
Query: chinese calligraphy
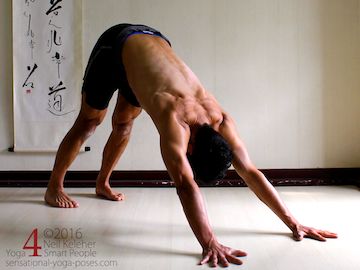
<point>26,83</point>
<point>30,40</point>
<point>56,99</point>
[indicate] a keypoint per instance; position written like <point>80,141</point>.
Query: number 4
<point>35,246</point>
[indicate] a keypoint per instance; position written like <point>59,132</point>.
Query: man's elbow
<point>183,179</point>
<point>185,188</point>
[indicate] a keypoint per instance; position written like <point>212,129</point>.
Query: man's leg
<point>122,121</point>
<point>85,124</point>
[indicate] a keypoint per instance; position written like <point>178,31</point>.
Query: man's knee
<point>122,122</point>
<point>88,125</point>
<point>122,128</point>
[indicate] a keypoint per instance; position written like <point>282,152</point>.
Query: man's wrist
<point>293,224</point>
<point>209,243</point>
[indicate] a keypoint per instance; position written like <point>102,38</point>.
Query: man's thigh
<point>89,113</point>
<point>124,111</point>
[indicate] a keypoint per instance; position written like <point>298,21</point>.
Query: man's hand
<point>216,254</point>
<point>300,231</point>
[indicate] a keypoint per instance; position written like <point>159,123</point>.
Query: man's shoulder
<point>161,103</point>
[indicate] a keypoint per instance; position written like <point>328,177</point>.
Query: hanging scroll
<point>47,71</point>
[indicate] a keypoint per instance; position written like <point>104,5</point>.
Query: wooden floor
<point>149,231</point>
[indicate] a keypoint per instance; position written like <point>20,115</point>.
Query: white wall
<point>287,70</point>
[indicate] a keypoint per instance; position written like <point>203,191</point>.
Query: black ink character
<point>56,88</point>
<point>53,24</point>
<point>56,105</point>
<point>29,31</point>
<point>57,58</point>
<point>54,7</point>
<point>26,83</point>
<point>55,99</point>
<point>52,40</point>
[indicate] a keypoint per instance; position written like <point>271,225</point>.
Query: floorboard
<point>149,230</point>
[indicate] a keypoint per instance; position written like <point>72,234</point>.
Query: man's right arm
<point>173,144</point>
<point>173,141</point>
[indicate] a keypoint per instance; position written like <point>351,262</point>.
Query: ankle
<point>102,185</point>
<point>102,182</point>
<point>55,186</point>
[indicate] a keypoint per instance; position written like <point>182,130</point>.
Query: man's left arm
<point>258,183</point>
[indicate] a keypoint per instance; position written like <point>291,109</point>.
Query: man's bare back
<point>162,82</point>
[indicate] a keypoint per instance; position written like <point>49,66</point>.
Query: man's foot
<point>58,198</point>
<point>107,193</point>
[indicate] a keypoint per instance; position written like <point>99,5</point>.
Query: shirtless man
<point>138,60</point>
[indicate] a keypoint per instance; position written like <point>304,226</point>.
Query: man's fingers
<point>309,232</point>
<point>238,253</point>
<point>222,256</point>
<point>234,260</point>
<point>223,261</point>
<point>205,259</point>
<point>327,234</point>
<point>316,236</point>
<point>214,260</point>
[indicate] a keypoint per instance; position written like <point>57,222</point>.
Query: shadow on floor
<point>129,248</point>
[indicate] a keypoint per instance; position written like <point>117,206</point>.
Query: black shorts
<point>105,72</point>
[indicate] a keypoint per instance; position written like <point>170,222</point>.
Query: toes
<point>59,199</point>
<point>71,203</point>
<point>119,197</point>
<point>75,204</point>
<point>110,195</point>
<point>113,196</point>
<point>61,204</point>
<point>65,202</point>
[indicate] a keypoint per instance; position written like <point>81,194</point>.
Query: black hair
<point>211,155</point>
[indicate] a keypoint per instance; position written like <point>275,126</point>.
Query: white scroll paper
<point>47,71</point>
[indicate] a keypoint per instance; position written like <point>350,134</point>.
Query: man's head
<point>210,155</point>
